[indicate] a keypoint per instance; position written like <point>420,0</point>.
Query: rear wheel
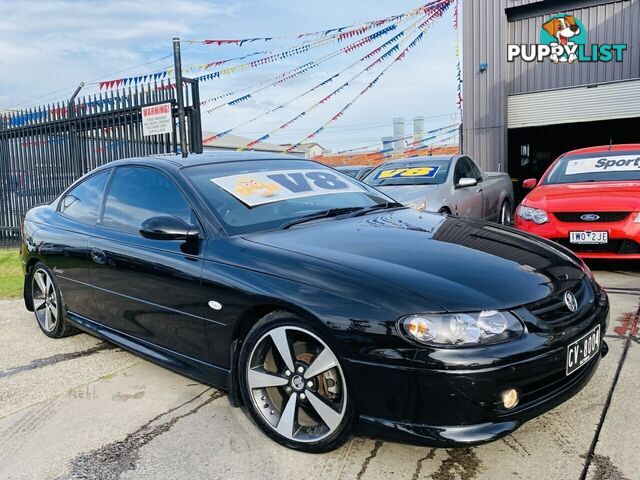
<point>505,213</point>
<point>293,385</point>
<point>47,304</point>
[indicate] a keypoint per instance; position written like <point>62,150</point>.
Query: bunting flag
<point>457,53</point>
<point>435,13</point>
<point>297,71</point>
<point>335,92</point>
<point>426,9</point>
<point>321,84</point>
<point>120,82</point>
<point>339,33</point>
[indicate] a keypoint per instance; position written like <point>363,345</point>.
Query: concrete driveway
<point>81,408</point>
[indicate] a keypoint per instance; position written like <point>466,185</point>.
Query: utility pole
<point>182,127</point>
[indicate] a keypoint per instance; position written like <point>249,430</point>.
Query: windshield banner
<point>622,163</point>
<point>407,172</point>
<point>259,188</point>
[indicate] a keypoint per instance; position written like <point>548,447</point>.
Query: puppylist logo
<point>563,39</point>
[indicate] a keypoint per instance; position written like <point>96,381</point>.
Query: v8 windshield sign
<point>413,172</point>
<point>259,188</point>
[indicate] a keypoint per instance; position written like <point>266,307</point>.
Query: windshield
<point>260,195</point>
<point>425,172</point>
<point>589,168</point>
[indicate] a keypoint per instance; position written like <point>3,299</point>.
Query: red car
<point>589,201</point>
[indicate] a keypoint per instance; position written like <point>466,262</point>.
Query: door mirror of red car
<point>529,183</point>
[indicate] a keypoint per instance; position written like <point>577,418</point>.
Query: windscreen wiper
<point>380,206</point>
<point>332,212</point>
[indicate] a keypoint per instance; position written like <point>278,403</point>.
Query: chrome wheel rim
<point>505,215</point>
<point>45,300</point>
<point>296,384</point>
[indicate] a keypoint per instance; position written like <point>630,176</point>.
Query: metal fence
<point>44,149</point>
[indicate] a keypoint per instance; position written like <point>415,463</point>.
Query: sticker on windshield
<point>412,172</point>
<point>260,188</point>
<point>620,163</point>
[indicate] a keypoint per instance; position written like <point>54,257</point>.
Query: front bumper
<point>461,406</point>
<point>624,236</point>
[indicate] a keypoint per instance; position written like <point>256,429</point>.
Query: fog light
<point>510,398</point>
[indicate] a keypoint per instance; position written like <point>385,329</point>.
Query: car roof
<point>177,161</point>
<point>338,167</point>
<point>605,148</point>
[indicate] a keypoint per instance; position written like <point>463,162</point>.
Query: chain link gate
<point>44,149</point>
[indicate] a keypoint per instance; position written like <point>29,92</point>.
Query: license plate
<point>583,350</point>
<point>589,237</point>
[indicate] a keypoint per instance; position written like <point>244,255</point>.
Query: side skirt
<point>190,367</point>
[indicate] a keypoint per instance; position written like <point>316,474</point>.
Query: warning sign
<point>157,119</point>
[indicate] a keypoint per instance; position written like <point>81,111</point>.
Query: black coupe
<point>314,299</point>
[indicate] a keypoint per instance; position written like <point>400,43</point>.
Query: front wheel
<point>294,386</point>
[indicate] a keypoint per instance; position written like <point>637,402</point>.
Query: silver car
<point>446,184</point>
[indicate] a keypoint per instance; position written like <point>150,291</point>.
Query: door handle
<point>479,190</point>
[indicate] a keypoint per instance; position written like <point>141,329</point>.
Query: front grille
<point>553,311</point>
<point>605,217</point>
<point>617,246</point>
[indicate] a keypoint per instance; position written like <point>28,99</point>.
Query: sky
<point>48,47</point>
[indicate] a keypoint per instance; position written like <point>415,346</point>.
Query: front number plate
<point>589,237</point>
<point>583,350</point>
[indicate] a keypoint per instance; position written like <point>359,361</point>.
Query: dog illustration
<point>250,186</point>
<point>562,28</point>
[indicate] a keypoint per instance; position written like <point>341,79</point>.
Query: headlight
<point>461,329</point>
<point>637,219</point>
<point>538,216</point>
<point>420,205</point>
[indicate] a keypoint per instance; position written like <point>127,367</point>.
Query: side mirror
<point>467,182</point>
<point>168,228</point>
<point>529,183</point>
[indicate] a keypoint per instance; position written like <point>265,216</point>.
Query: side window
<point>83,202</point>
<point>139,193</point>
<point>475,170</point>
<point>461,171</point>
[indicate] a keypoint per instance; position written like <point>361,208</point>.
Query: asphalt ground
<point>79,408</point>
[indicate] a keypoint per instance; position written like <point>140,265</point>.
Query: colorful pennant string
<point>308,46</point>
<point>306,92</point>
<point>340,33</point>
<point>457,53</point>
<point>302,69</point>
<point>435,13</point>
<point>335,92</point>
<point>295,73</point>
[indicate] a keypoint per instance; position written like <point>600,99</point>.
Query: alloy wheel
<point>45,300</point>
<point>296,384</point>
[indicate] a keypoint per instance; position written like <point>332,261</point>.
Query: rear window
<point>427,172</point>
<point>618,166</point>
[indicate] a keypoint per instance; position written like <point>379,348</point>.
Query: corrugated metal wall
<point>486,33</point>
<point>617,22</point>
<point>485,98</point>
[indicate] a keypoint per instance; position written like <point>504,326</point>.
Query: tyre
<point>294,386</point>
<point>48,306</point>
<point>505,213</point>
